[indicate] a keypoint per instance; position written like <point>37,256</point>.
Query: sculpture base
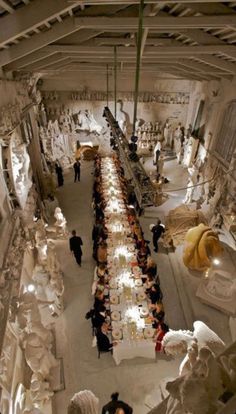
<point>218,291</point>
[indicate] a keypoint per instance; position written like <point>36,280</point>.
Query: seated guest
<point>99,317</point>
<point>99,299</point>
<point>102,252</point>
<point>103,342</point>
<point>115,404</point>
<point>100,271</point>
<point>97,230</point>
<point>162,329</point>
<point>158,314</point>
<point>98,285</point>
<point>142,258</point>
<point>154,293</point>
<point>151,267</point>
<point>148,280</point>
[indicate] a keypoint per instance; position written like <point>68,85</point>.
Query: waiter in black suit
<point>75,247</point>
<point>77,170</point>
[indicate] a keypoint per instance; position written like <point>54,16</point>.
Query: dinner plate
<point>113,284</point>
<point>114,299</point>
<point>148,332</point>
<point>138,282</point>
<point>144,312</point>
<point>117,333</point>
<point>141,296</point>
<point>115,315</point>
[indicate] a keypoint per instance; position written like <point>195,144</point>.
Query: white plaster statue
<point>48,290</point>
<point>94,125</point>
<point>167,133</point>
<point>83,120</point>
<point>201,379</point>
<point>60,222</point>
<point>84,402</point>
<point>38,356</point>
<point>228,363</point>
<point>39,394</point>
<point>189,193</point>
<point>156,152</point>
<point>27,307</point>
<point>193,173</point>
<point>177,342</point>
<point>120,117</point>
<point>198,391</point>
<point>138,123</point>
<point>160,165</point>
<point>20,170</point>
<point>53,264</point>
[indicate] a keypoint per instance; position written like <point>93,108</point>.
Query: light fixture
<point>30,288</point>
<point>216,261</point>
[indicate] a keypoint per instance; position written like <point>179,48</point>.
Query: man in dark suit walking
<point>77,170</point>
<point>75,246</point>
<point>157,231</point>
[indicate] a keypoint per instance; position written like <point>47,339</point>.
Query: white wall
<point>217,94</point>
<point>72,81</point>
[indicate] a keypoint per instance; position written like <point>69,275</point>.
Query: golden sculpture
<point>202,244</point>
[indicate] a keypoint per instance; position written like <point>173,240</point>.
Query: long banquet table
<point>130,319</point>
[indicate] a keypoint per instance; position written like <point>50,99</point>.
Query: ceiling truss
<point>188,39</point>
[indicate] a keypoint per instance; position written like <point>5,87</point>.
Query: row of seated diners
<point>100,314</point>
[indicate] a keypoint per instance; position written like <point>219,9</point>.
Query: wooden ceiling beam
<point>6,5</point>
<point>149,51</point>
<point>164,22</point>
<point>218,63</point>
<point>30,17</point>
<point>38,41</point>
<point>129,2</point>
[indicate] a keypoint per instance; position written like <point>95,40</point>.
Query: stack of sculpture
<point>39,303</point>
<point>10,112</point>
<point>157,97</point>
<point>36,301</point>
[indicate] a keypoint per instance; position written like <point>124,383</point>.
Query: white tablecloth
<point>131,349</point>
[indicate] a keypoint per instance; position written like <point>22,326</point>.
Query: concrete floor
<point>137,380</point>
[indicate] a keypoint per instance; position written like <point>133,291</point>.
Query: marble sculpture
<point>206,372</point>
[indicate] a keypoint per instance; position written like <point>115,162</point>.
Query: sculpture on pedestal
<point>21,174</point>
<point>167,133</point>
<point>189,193</point>
<point>60,222</point>
<point>38,356</point>
<point>201,246</point>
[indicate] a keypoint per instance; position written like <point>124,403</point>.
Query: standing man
<point>75,247</point>
<point>157,231</point>
<point>77,170</point>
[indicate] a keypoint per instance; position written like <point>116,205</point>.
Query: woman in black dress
<point>59,172</point>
